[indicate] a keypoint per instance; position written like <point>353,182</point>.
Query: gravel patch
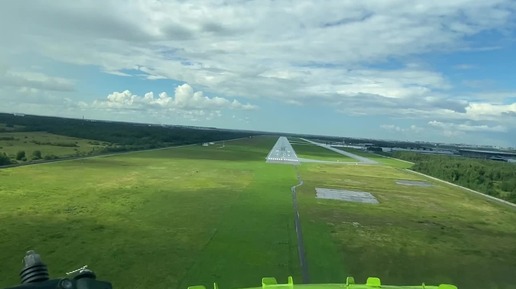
<point>346,195</point>
<point>413,183</point>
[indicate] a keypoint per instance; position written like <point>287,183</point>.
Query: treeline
<point>125,136</point>
<point>4,159</point>
<point>21,157</point>
<point>59,144</point>
<point>494,178</point>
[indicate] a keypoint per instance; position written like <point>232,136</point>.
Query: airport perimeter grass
<point>432,234</point>
<point>197,215</point>
<point>307,150</point>
<point>49,144</point>
<point>158,219</point>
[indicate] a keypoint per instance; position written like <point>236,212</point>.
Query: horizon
<point>413,71</point>
<point>265,132</point>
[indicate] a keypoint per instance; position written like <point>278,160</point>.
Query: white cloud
<point>357,57</point>
<point>416,129</point>
<point>263,48</point>
<point>184,99</point>
<point>493,96</point>
<point>391,127</point>
<point>22,90</point>
<point>400,83</point>
<point>27,80</point>
<point>119,73</point>
<point>489,110</point>
<point>394,128</point>
<point>466,127</point>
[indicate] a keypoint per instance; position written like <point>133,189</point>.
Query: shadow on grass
<point>402,267</point>
<point>125,256</point>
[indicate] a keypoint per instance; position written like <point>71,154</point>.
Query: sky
<point>439,71</point>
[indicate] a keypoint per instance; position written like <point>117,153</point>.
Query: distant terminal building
<point>486,154</point>
<point>423,151</point>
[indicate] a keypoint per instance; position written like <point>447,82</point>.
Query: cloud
<point>185,99</point>
<point>239,43</point>
<point>493,96</point>
<point>485,110</point>
<point>394,128</point>
<point>412,107</point>
<point>355,57</point>
<point>391,127</point>
<point>401,83</point>
<point>416,129</point>
<point>466,127</point>
<point>34,81</point>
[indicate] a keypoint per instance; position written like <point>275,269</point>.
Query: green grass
<point>160,219</point>
<point>307,150</point>
<point>196,215</point>
<point>51,144</point>
<point>437,234</point>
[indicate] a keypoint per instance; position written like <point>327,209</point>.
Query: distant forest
<point>494,178</point>
<point>122,136</point>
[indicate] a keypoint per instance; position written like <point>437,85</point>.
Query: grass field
<point>431,234</point>
<point>47,143</point>
<point>309,151</point>
<point>197,215</point>
<point>166,219</point>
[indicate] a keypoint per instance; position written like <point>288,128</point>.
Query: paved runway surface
<point>282,152</point>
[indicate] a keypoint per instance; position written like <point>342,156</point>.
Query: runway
<point>282,153</point>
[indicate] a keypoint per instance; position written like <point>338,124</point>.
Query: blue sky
<point>405,70</point>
